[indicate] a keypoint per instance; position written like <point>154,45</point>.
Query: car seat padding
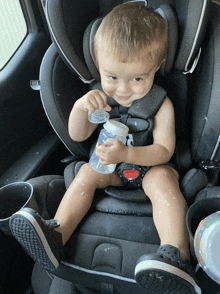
<point>192,20</point>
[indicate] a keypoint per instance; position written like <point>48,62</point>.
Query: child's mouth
<point>123,97</point>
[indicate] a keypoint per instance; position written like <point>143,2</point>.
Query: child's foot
<point>38,237</point>
<point>165,272</point>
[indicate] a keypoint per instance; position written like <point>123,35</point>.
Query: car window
<point>13,29</point>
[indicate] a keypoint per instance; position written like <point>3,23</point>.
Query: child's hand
<point>93,101</point>
<point>112,152</point>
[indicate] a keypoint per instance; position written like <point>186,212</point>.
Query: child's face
<point>126,82</point>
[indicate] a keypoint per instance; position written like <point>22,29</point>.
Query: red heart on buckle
<point>130,173</point>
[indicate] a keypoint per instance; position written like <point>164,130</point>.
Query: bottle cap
<point>206,244</point>
<point>99,116</point>
<point>116,127</point>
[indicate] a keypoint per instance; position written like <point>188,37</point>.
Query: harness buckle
<point>130,174</point>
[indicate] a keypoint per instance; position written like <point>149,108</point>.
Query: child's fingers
<point>110,141</point>
<point>101,98</point>
<point>100,147</point>
<point>103,161</point>
<point>95,100</point>
<point>107,107</point>
<point>102,101</point>
<point>91,105</point>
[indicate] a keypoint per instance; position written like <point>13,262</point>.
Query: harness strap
<point>143,108</point>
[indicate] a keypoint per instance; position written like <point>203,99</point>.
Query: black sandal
<point>165,272</point>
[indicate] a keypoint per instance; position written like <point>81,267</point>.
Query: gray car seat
<point>102,253</point>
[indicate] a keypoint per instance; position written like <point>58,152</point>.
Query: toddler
<point>129,46</point>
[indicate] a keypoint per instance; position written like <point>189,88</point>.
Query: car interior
<point>51,68</point>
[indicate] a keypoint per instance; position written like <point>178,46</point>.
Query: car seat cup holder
<point>13,197</point>
<point>203,223</point>
<point>206,244</point>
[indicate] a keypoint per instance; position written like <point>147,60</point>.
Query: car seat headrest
<point>88,48</point>
<point>67,21</point>
<point>193,18</point>
<point>168,15</point>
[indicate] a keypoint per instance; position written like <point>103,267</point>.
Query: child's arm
<point>159,152</point>
<point>164,140</point>
<point>80,128</point>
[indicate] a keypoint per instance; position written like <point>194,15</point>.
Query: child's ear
<point>160,64</point>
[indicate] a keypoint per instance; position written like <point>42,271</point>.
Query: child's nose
<point>123,89</point>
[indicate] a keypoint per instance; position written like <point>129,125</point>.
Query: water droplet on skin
<point>160,211</point>
<point>82,193</point>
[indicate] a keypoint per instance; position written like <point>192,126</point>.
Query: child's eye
<point>112,78</point>
<point>137,79</point>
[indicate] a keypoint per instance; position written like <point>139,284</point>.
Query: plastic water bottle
<point>112,129</point>
<point>207,244</point>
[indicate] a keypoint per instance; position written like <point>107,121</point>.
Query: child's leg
<point>169,270</point>
<point>169,207</point>
<point>78,198</point>
<point>43,239</point>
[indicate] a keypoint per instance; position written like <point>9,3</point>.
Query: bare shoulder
<point>164,126</point>
<point>166,112</point>
<point>167,107</point>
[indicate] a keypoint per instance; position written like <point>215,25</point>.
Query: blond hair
<point>128,29</point>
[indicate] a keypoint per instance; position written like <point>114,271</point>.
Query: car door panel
<point>23,123</point>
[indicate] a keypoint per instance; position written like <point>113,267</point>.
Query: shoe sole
<point>29,234</point>
<point>164,278</point>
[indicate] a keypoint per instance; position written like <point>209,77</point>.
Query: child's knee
<point>90,177</point>
<point>85,169</point>
<point>86,173</point>
<point>159,176</point>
